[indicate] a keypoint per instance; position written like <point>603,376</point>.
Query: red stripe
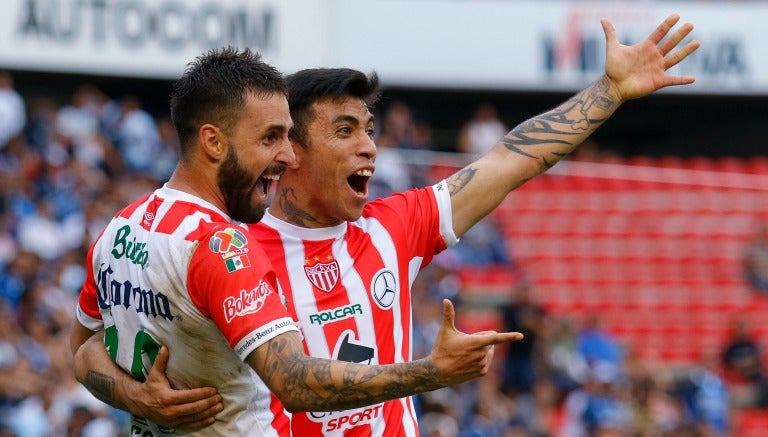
<point>128,210</point>
<point>281,423</point>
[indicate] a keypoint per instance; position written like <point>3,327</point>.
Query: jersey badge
<point>228,240</point>
<point>323,275</point>
<point>384,288</point>
<point>231,244</point>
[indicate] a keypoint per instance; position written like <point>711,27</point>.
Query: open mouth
<point>359,181</point>
<point>265,182</point>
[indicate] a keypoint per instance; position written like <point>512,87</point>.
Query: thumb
<point>160,364</point>
<point>449,315</point>
<point>609,30</point>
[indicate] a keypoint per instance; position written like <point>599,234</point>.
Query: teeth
<point>273,177</point>
<point>364,173</point>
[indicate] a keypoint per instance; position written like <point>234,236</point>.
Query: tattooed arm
<point>540,142</point>
<point>153,399</point>
<point>304,383</point>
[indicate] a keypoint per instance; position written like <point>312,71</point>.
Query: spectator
<point>598,345</point>
<point>484,245</point>
<point>524,361</point>
<point>137,137</point>
<point>756,259</point>
<point>597,408</point>
<point>743,366</point>
<point>392,175</point>
<point>482,131</point>
<point>705,395</point>
<point>13,114</point>
<point>565,362</point>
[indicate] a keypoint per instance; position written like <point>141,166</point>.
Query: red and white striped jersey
<point>172,269</point>
<point>349,287</point>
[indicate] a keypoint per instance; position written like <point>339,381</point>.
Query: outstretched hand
<point>460,357</point>
<point>158,402</point>
<point>640,69</point>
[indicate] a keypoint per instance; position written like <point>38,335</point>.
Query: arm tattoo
<point>309,383</point>
<point>564,125</point>
<point>295,215</point>
<point>460,179</point>
<point>101,385</point>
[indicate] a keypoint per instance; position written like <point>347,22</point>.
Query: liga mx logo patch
<point>324,276</point>
<point>231,244</point>
<point>228,240</point>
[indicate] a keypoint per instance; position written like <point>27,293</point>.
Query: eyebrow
<point>278,127</point>
<point>350,119</point>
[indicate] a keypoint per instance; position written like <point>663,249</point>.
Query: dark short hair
<point>214,87</point>
<point>308,86</point>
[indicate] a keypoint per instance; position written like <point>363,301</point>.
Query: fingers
<point>660,32</point>
<point>197,420</point>
<point>195,424</point>
<point>505,337</point>
<point>675,39</point>
<point>675,58</point>
<point>199,413</point>
<point>194,400</point>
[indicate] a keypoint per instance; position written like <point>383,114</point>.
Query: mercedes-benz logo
<point>384,288</point>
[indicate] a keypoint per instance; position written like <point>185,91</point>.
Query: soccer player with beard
<point>177,270</point>
<point>346,265</point>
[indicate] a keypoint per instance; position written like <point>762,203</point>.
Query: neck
<point>193,181</point>
<point>288,208</point>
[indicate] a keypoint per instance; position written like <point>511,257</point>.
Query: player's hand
<point>638,70</point>
<point>460,357</point>
<point>157,401</point>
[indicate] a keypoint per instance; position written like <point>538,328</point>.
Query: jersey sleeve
<point>88,313</point>
<point>420,220</point>
<point>232,282</point>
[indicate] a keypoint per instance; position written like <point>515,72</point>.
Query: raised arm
<point>153,399</point>
<point>304,383</point>
<point>535,145</point>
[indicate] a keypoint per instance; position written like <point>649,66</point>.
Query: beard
<point>237,184</point>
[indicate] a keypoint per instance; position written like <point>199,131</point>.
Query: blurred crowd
<point>66,167</point>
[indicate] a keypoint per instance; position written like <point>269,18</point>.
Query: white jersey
<point>349,288</point>
<point>172,269</point>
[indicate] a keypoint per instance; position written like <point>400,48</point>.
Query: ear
<point>212,141</point>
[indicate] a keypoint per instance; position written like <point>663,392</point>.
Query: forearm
<point>529,149</point>
<point>549,137</point>
<point>101,376</point>
<point>305,383</point>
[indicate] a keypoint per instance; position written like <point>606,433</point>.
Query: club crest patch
<point>323,275</point>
